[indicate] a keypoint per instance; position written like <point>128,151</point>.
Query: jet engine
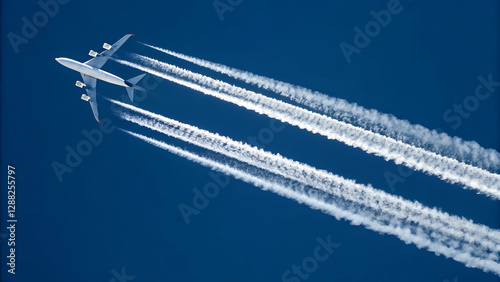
<point>85,98</point>
<point>80,84</point>
<point>106,46</point>
<point>93,53</point>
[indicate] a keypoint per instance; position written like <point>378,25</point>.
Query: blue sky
<point>119,207</point>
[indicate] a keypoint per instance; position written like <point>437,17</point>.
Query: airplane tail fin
<point>133,86</point>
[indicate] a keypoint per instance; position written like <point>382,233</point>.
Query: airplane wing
<point>92,93</point>
<point>103,57</point>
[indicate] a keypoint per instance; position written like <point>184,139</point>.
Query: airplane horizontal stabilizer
<point>132,86</point>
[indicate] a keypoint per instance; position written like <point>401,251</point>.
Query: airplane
<point>91,71</point>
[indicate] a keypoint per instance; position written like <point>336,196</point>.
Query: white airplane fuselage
<point>91,71</point>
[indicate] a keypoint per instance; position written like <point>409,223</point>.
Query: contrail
<point>386,124</point>
<point>303,173</point>
<point>298,194</point>
<point>378,201</point>
<point>446,168</point>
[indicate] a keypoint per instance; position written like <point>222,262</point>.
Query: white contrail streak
<point>298,193</point>
<point>336,185</point>
<point>483,239</point>
<point>446,168</point>
<point>467,151</point>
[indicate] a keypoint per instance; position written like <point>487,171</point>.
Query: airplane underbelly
<point>106,76</point>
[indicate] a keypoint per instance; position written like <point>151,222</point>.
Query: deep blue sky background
<point>119,208</point>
